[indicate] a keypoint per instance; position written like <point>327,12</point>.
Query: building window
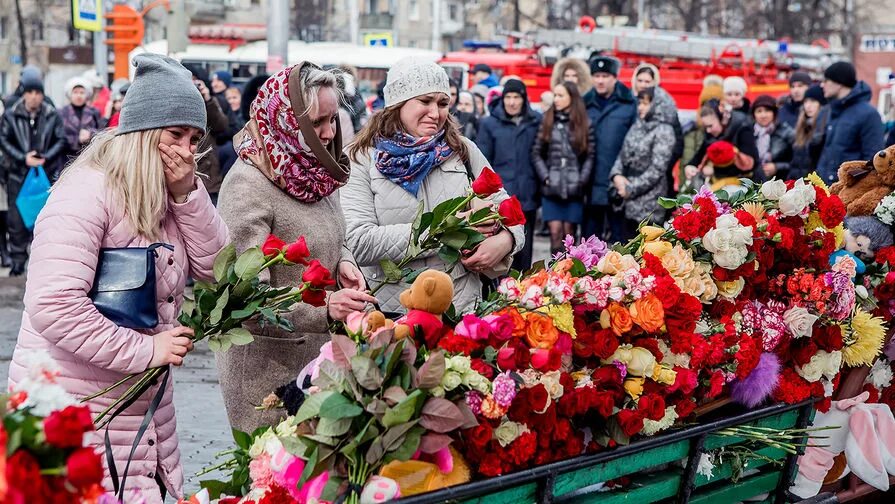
<point>414,9</point>
<point>37,30</point>
<point>4,27</point>
<point>453,12</point>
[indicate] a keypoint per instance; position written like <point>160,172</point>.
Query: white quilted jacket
<point>379,215</point>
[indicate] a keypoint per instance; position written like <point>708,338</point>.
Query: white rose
<point>731,289</point>
<point>773,189</point>
<point>832,364</point>
<point>550,381</point>
<point>731,259</point>
<point>814,370</point>
<point>460,363</point>
<point>796,199</point>
<point>451,380</point>
<point>799,321</point>
<point>507,432</point>
<point>260,443</point>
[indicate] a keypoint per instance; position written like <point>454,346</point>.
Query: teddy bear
<point>862,184</point>
<point>427,300</point>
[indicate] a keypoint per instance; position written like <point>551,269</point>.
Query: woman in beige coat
<point>412,153</point>
<point>286,183</point>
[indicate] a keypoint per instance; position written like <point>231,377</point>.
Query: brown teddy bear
<point>862,184</point>
<point>426,301</point>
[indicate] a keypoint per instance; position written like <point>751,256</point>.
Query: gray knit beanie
<point>411,77</point>
<point>162,95</point>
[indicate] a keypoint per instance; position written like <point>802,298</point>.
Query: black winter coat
<point>563,173</point>
<point>507,146</point>
<point>610,122</point>
<point>781,151</point>
<point>15,139</point>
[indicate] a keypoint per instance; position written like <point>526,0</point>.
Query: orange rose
<point>541,333</point>
<point>619,319</point>
<point>519,323</point>
<point>647,312</point>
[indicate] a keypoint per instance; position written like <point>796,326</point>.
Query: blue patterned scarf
<point>406,160</point>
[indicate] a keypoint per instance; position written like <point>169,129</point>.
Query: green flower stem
<point>110,387</point>
<point>134,391</point>
<point>223,465</point>
<point>53,471</point>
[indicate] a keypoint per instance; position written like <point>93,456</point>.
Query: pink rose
<point>474,328</point>
<point>501,326</point>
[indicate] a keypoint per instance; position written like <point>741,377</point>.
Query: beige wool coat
<point>253,207</point>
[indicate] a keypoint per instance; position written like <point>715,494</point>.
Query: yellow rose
<point>678,262</point>
<point>664,375</point>
<point>634,387</point>
<point>731,289</point>
<point>656,248</point>
<point>651,233</point>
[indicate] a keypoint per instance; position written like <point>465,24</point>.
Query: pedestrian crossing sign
<point>378,39</point>
<point>87,15</point>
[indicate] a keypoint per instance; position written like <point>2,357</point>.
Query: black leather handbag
<point>124,287</point>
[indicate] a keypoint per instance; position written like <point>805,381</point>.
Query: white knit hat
<point>735,84</point>
<point>412,77</point>
<point>81,82</point>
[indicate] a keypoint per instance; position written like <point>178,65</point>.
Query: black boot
<point>18,269</point>
<point>5,261</point>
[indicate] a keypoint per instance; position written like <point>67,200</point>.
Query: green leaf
<point>215,344</point>
<point>240,336</point>
<point>392,438</point>
<point>242,439</point>
<point>395,349</point>
<point>449,255</point>
<point>320,439</point>
<point>243,289</point>
<point>217,488</point>
<point>440,415</point>
<point>339,406</point>
<point>668,203</point>
<point>490,353</point>
<point>366,372</point>
<point>226,257</point>
<point>394,395</point>
<point>432,371</point>
<point>218,311</point>
<point>246,312</point>
<point>403,411</point>
<point>425,221</point>
<point>333,427</point>
<point>249,264</point>
<point>390,270</point>
<point>408,447</point>
<point>454,239</point>
<point>309,467</point>
<point>311,407</point>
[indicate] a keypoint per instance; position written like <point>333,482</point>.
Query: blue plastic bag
<point>33,196</point>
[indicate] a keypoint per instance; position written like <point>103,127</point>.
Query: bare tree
<point>23,45</point>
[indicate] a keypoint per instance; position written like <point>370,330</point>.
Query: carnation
<point>880,374</point>
<point>885,210</point>
<point>651,427</point>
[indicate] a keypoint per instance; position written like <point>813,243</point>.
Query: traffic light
<point>126,30</point>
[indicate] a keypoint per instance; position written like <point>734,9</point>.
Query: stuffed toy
<point>864,432</point>
<point>427,473</point>
<point>862,184</point>
<point>865,235</point>
<point>427,300</point>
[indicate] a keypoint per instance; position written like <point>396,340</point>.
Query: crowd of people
<point>596,154</point>
<point>202,168</point>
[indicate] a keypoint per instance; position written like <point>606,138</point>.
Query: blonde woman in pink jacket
<point>131,187</point>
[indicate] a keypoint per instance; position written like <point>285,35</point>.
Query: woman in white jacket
<point>412,152</point>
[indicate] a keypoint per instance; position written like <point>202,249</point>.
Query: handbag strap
<point>158,245</point>
<point>147,418</point>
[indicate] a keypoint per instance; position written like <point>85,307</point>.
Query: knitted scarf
<point>406,160</point>
<point>763,142</point>
<point>282,144</point>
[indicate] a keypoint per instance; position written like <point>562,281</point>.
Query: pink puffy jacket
<point>79,219</point>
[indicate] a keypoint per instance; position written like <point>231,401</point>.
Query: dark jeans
<point>522,260</point>
<point>19,235</point>
<point>604,222</point>
<point>4,247</point>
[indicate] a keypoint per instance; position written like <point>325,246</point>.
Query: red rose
<point>317,276</point>
<point>272,246</point>
<point>23,476</point>
<point>487,183</point>
<point>685,408</point>
<point>538,397</point>
<point>716,385</point>
<point>513,356</point>
<point>66,428</point>
<point>314,297</point>
<point>479,435</point>
<point>828,338</point>
<point>546,360</point>
<point>84,468</point>
<point>630,421</point>
<point>523,448</point>
<point>511,212</point>
<point>832,211</point>
<point>298,252</point>
<point>721,153</point>
<point>603,403</point>
<point>652,406</point>
<point>801,351</point>
<point>483,368</point>
<point>885,255</point>
<point>605,343</point>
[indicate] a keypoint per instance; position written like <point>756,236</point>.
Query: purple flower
<point>474,401</point>
<point>622,368</point>
<point>589,251</point>
<point>503,389</point>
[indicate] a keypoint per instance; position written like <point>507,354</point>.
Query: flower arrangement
<point>42,454</point>
<point>237,295</point>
